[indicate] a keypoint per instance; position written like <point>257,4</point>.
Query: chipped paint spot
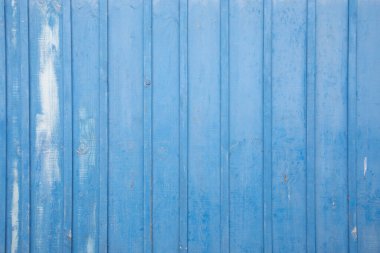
<point>15,209</point>
<point>354,233</point>
<point>48,119</point>
<point>365,166</point>
<point>69,235</point>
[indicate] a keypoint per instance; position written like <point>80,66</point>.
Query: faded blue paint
<point>189,126</point>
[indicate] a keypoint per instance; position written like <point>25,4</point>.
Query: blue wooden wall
<point>208,126</point>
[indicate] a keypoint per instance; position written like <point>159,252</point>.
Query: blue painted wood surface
<point>189,126</point>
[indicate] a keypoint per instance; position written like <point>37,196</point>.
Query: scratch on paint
<point>47,120</point>
<point>354,233</point>
<point>14,23</point>
<point>90,240</point>
<point>90,245</point>
<point>365,166</point>
<point>15,209</point>
<point>86,152</point>
<point>87,144</point>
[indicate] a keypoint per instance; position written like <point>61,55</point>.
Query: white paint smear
<point>15,209</point>
<point>354,233</point>
<point>47,120</point>
<point>365,166</point>
<point>14,23</point>
<point>90,245</point>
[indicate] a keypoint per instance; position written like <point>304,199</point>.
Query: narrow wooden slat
<point>148,170</point>
<point>86,125</point>
<point>289,125</point>
<point>25,126</point>
<point>103,125</point>
<point>165,125</point>
<point>126,146</point>
<point>47,138</point>
<point>224,128</point>
<point>267,118</point>
<point>183,123</point>
<point>3,129</point>
<point>246,126</point>
<point>367,125</point>
<point>331,126</point>
<point>17,231</point>
<point>351,128</point>
<point>67,131</point>
<point>310,126</point>
<point>204,127</point>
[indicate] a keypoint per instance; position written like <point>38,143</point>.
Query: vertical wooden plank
<point>331,126</point>
<point>224,128</point>
<point>46,125</point>
<point>25,126</point>
<point>246,126</point>
<point>103,125</point>
<point>3,129</point>
<point>148,133</point>
<point>166,125</point>
<point>310,126</point>
<point>13,230</point>
<point>267,125</point>
<point>67,127</point>
<point>368,126</point>
<point>183,124</point>
<point>17,232</point>
<point>351,126</point>
<point>86,125</point>
<point>126,220</point>
<point>289,125</point>
<point>204,127</point>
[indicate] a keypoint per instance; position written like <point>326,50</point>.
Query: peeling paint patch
<point>365,166</point>
<point>15,210</point>
<point>48,119</point>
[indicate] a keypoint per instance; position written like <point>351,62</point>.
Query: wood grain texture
<point>204,127</point>
<point>189,126</point>
<point>17,203</point>
<point>331,126</point>
<point>3,131</point>
<point>86,125</point>
<point>368,126</point>
<point>246,126</point>
<point>288,126</point>
<point>126,84</point>
<point>47,121</point>
<point>165,126</point>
